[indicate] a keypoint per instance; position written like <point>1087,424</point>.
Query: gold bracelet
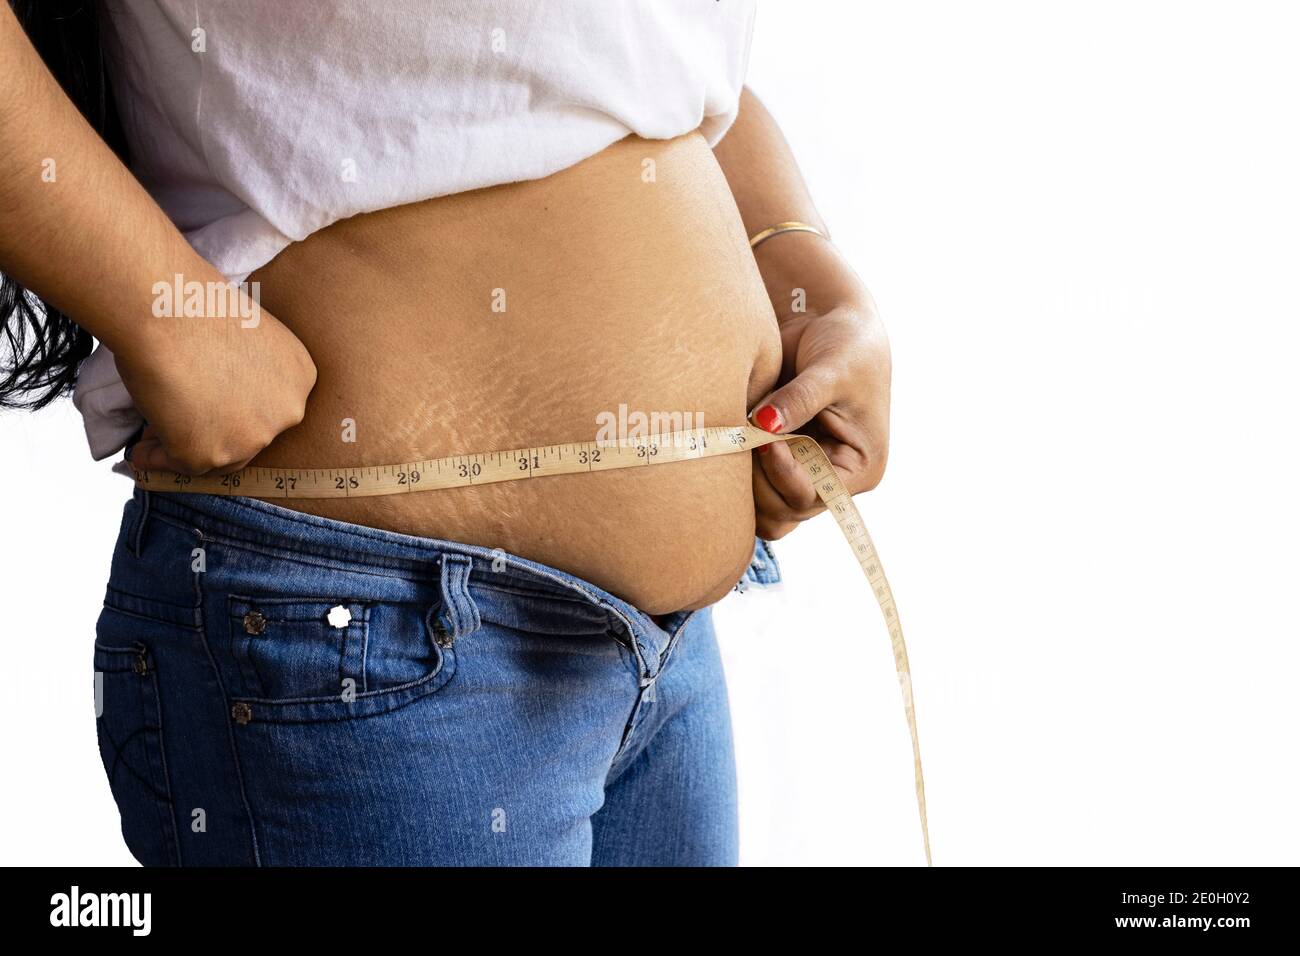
<point>792,225</point>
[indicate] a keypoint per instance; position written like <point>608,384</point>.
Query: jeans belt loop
<point>458,615</point>
<point>135,543</point>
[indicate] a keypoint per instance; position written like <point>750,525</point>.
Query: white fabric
<point>255,123</point>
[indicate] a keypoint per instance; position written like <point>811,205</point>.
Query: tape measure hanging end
<point>840,504</point>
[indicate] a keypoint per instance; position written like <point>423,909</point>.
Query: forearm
<point>769,188</point>
<point>78,229</point>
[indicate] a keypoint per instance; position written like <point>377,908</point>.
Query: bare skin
<point>617,291</point>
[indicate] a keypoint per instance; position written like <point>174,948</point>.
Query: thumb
<point>796,402</point>
<point>149,454</point>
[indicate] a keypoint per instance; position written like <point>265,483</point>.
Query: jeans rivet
<point>254,622</point>
<point>242,713</point>
<point>140,665</point>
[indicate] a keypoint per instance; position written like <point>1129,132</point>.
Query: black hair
<point>40,346</point>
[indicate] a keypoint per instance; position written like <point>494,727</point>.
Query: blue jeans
<point>279,689</point>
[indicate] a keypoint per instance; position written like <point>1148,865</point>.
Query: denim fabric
<point>763,571</point>
<point>280,689</point>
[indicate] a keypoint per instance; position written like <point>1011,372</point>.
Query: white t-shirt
<point>255,123</point>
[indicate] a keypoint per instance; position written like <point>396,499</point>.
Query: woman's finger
<point>230,469</point>
<point>859,470</point>
<point>797,401</point>
<point>149,453</point>
<point>774,519</point>
<point>789,479</point>
<point>768,501</point>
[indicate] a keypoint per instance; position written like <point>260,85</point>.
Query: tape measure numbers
<point>460,471</point>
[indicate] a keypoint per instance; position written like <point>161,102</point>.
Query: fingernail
<point>763,449</point>
<point>768,419</point>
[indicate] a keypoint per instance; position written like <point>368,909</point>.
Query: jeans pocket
<point>129,726</point>
<point>299,649</point>
<point>309,659</point>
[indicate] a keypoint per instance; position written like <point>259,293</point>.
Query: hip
<point>283,688</point>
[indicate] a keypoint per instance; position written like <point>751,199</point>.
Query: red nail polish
<point>763,449</point>
<point>768,419</point>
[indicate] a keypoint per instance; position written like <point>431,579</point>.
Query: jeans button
<point>254,622</point>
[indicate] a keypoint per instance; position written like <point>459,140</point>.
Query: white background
<point>1082,225</point>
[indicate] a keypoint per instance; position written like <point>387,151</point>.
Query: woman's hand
<point>94,244</point>
<point>214,392</point>
<point>834,382</point>
<point>835,388</point>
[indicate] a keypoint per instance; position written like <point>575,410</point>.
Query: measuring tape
<point>460,471</point>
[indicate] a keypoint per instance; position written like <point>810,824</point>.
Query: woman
<point>468,232</point>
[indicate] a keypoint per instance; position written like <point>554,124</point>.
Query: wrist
<point>164,298</point>
<point>186,309</point>
<point>806,273</point>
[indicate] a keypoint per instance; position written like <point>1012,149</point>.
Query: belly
<point>527,314</point>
